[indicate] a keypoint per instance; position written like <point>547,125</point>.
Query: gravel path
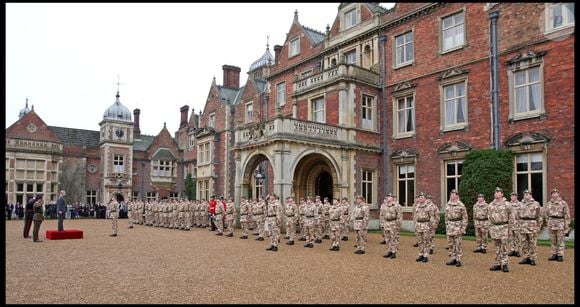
<point>148,265</point>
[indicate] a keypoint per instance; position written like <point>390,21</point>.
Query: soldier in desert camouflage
<point>130,217</point>
<point>219,217</point>
<point>274,216</point>
<point>557,215</point>
<point>514,235</point>
<point>113,209</point>
<point>392,219</point>
<point>259,211</point>
<point>310,215</point>
<point>291,212</point>
<point>501,219</point>
<point>244,210</point>
<point>361,224</point>
<point>456,222</point>
<point>325,219</point>
<point>334,214</point>
<point>302,228</point>
<point>318,222</point>
<point>345,218</point>
<point>530,216</point>
<point>423,217</point>
<point>481,224</point>
<point>231,213</point>
<point>435,222</point>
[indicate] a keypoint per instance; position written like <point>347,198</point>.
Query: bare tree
<point>73,181</point>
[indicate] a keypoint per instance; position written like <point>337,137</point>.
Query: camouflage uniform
<point>514,234</point>
<point>501,219</point>
<point>291,212</point>
<point>456,222</point>
<point>251,218</point>
<point>557,214</point>
<point>310,215</point>
<point>334,214</point>
<point>423,218</point>
<point>392,218</point>
<point>434,224</point>
<point>244,211</point>
<point>301,221</point>
<point>344,219</point>
<point>318,222</point>
<point>219,218</point>
<point>154,214</point>
<point>325,220</point>
<point>113,207</point>
<point>130,216</point>
<point>530,217</point>
<point>274,216</point>
<point>481,225</point>
<point>361,225</point>
<point>180,221</point>
<point>231,213</point>
<point>260,219</point>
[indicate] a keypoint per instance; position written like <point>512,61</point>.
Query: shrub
<point>483,171</point>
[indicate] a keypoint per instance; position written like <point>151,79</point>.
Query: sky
<point>68,58</point>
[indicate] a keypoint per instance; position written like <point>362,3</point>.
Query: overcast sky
<point>65,58</point>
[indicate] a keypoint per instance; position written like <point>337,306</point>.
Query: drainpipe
<point>383,44</point>
<point>494,84</point>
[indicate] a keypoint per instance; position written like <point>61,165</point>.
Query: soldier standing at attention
<point>435,222</point>
<point>29,215</point>
<point>530,216</point>
<point>423,218</point>
<point>392,219</point>
<point>361,224</point>
<point>502,219</point>
<point>251,217</point>
<point>345,218</point>
<point>514,234</point>
<point>326,219</point>
<point>260,219</point>
<point>558,219</point>
<point>456,222</point>
<point>291,218</point>
<point>244,209</point>
<point>318,222</point>
<point>334,214</point>
<point>481,224</point>
<point>61,209</point>
<point>274,214</point>
<point>230,216</point>
<point>382,212</point>
<point>219,217</point>
<point>130,214</point>
<point>37,218</point>
<point>212,205</point>
<point>113,208</point>
<point>301,208</point>
<point>310,215</point>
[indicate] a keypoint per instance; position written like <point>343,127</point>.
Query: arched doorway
<point>257,177</point>
<point>323,185</point>
<point>119,197</point>
<point>315,175</point>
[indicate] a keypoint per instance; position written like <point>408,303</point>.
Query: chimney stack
<point>136,130</point>
<point>277,50</point>
<point>184,110</point>
<point>231,76</point>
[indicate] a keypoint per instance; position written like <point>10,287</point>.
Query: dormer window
<point>211,122</point>
<point>350,19</point>
<point>294,47</point>
<point>350,57</point>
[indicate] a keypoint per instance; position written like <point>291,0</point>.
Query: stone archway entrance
<point>315,175</point>
<point>119,197</point>
<point>257,176</point>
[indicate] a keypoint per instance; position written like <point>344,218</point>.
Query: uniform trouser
<point>36,229</point>
<point>529,241</point>
<point>130,218</point>
<point>326,226</point>
<point>345,227</point>
<point>501,251</point>
<point>244,224</point>
<point>456,250</point>
<point>219,222</point>
<point>335,233</point>
<point>173,220</point>
<point>154,220</point>
<point>481,233</point>
<point>188,221</point>
<point>515,241</point>
<point>302,228</point>
<point>423,239</point>
<point>361,238</point>
<point>557,239</point>
<point>290,228</point>
<point>260,224</point>
<point>251,222</point>
<point>28,223</point>
<point>391,235</point>
<point>180,221</point>
<point>432,236</point>
<point>274,231</point>
<point>319,229</point>
<point>230,223</point>
<point>114,222</point>
<point>309,231</point>
<point>61,221</point>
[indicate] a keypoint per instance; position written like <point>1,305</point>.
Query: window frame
<point>249,117</point>
<point>512,70</point>
<point>211,120</point>
<point>294,44</point>
<point>281,100</point>
<point>373,112</point>
<point>542,153</point>
<point>410,201</point>
<point>395,48</point>
<point>441,31</point>
<point>444,127</point>
<point>312,111</point>
<point>354,12</point>
<point>548,13</point>
<point>347,54</point>
<point>118,164</point>
<point>446,176</point>
<point>372,200</point>
<point>396,97</point>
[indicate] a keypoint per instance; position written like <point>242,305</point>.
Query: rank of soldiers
<point>512,225</point>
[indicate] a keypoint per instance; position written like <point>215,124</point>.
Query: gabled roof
<point>163,154</point>
<point>227,95</point>
<point>260,85</point>
<point>314,36</point>
<point>143,142</point>
<point>239,95</point>
<point>20,129</point>
<point>375,7</point>
<point>79,137</point>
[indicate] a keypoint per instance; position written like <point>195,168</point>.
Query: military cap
<point>554,191</point>
<point>453,191</point>
<point>360,196</point>
<point>527,191</point>
<point>513,193</point>
<point>221,197</point>
<point>429,196</point>
<point>421,194</point>
<point>498,189</point>
<point>390,194</point>
<point>345,198</point>
<point>480,195</point>
<point>317,196</point>
<point>308,197</point>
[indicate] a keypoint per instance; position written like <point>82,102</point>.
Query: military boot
<point>388,255</point>
<point>512,253</point>
<point>525,261</point>
<point>274,248</point>
<point>416,245</point>
<point>394,255</point>
<point>505,268</point>
<point>420,258</point>
<point>290,243</point>
<point>451,262</point>
<point>560,258</point>
<point>270,248</point>
<point>458,263</point>
<point>383,242</point>
<point>495,267</point>
<point>554,257</point>
<point>532,262</point>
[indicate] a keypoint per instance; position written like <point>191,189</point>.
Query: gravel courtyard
<point>147,265</point>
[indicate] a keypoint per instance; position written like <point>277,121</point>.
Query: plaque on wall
<point>92,168</point>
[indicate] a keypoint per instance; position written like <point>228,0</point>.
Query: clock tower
<point>116,151</point>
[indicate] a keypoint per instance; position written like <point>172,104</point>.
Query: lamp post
<point>259,180</point>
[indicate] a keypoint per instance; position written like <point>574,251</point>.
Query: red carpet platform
<point>65,234</point>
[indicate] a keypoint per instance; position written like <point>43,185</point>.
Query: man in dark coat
<point>29,215</point>
<point>61,209</point>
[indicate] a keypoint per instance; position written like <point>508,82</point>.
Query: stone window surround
<point>440,29</point>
